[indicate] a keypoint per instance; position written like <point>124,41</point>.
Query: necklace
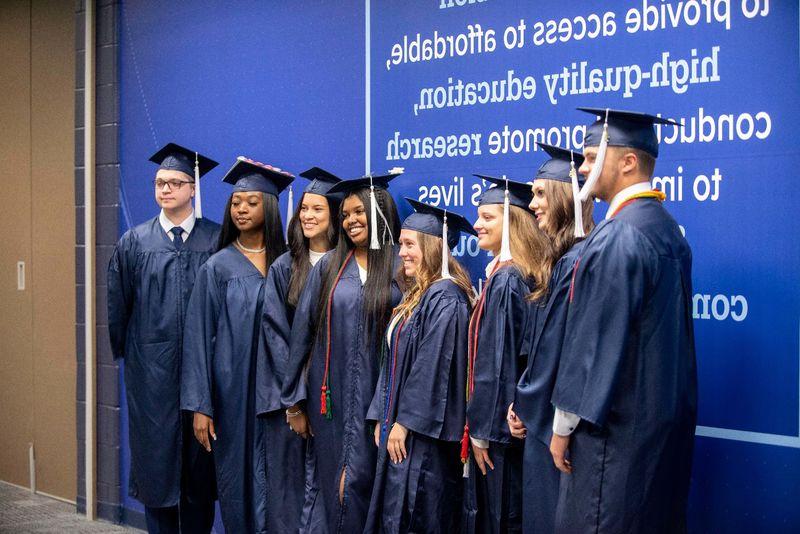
<point>250,250</point>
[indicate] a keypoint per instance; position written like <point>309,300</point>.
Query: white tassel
<point>445,251</point>
<point>289,212</point>
<point>505,239</point>
<point>576,201</point>
<point>373,218</point>
<point>198,202</point>
<point>598,164</point>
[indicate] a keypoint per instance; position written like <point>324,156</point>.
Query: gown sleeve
<point>500,360</point>
<point>301,341</point>
<point>610,284</point>
<point>197,387</point>
<point>535,387</point>
<point>120,276</point>
<point>273,348</point>
<point>431,399</point>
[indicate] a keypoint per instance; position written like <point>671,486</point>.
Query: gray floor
<point>23,512</point>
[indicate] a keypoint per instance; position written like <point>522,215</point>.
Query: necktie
<point>177,231</point>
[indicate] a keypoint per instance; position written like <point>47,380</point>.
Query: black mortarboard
<point>559,165</point>
<point>250,175</point>
<point>625,128</point>
<point>321,181</point>
<point>346,186</point>
<point>519,193</point>
<point>177,158</point>
<point>430,220</point>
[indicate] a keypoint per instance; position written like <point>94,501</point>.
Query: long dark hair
<point>298,248</point>
<point>273,228</point>
<point>378,287</point>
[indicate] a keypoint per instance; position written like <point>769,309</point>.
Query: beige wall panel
<point>53,266</point>
<point>16,376</point>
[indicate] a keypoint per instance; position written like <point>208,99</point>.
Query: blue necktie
<point>177,231</point>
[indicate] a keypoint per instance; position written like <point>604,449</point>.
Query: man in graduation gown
<point>626,390</point>
<point>150,278</point>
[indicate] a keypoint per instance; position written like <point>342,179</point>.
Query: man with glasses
<point>150,278</point>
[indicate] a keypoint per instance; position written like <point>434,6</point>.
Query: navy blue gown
<point>421,387</point>
<point>149,283</point>
<point>628,370</point>
<point>540,478</point>
<point>343,443</point>
<point>493,503</point>
<point>284,458</point>
<point>218,379</point>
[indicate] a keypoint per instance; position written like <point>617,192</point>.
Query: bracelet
<point>293,414</point>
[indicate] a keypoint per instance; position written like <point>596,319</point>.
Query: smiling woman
<point>335,351</point>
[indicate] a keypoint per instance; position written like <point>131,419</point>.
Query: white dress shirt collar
<point>625,194</point>
<point>167,225</point>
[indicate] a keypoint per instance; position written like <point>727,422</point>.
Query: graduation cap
<point>250,175</point>
<point>174,157</point>
<point>560,164</point>
<point>519,193</point>
<point>562,167</point>
<point>619,128</point>
<point>371,182</point>
<point>436,222</point>
<point>508,193</point>
<point>365,182</point>
<point>321,181</point>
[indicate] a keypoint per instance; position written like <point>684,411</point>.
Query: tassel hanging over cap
<point>198,202</point>
<point>597,169</point>
<point>289,212</point>
<point>505,239</point>
<point>576,201</point>
<point>445,250</point>
<point>373,218</point>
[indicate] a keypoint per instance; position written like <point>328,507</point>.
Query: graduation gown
<point>343,443</point>
<point>284,457</point>
<point>493,502</point>
<point>540,478</point>
<point>421,387</point>
<point>218,379</point>
<point>628,370</point>
<point>149,283</point>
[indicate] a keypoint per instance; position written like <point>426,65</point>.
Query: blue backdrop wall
<point>446,88</point>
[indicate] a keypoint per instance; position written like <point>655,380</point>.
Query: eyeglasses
<point>173,184</point>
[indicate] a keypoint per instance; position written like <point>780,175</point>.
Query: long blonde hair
<point>531,249</point>
<point>428,272</point>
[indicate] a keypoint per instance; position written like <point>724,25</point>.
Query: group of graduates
<point>355,381</point>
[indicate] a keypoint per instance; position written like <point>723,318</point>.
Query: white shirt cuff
<point>564,423</point>
<point>482,443</point>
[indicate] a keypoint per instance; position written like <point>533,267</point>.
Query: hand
<point>397,443</point>
<point>203,427</point>
<point>377,434</point>
<point>299,422</point>
<point>482,458</point>
<point>515,424</point>
<point>559,446</point>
